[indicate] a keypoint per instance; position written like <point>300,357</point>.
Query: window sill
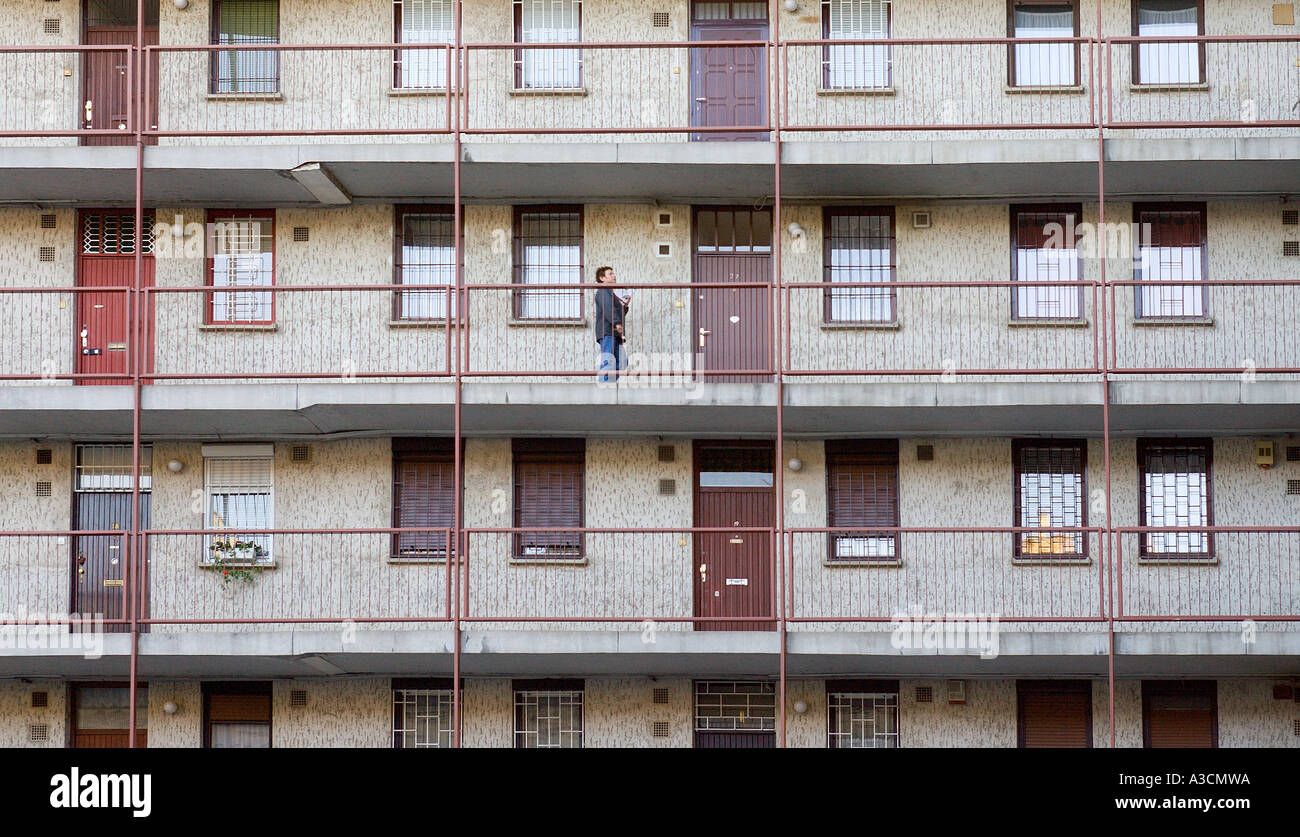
<point>548,91</point>
<point>1072,89</point>
<point>414,323</point>
<point>1047,561</point>
<point>1169,88</point>
<point>514,321</point>
<point>239,565</point>
<point>245,97</point>
<point>417,560</point>
<point>857,91</point>
<point>862,562</point>
<point>535,560</point>
<point>892,325</point>
<point>1173,321</point>
<point>238,327</point>
<point>1048,322</point>
<point>1171,561</point>
<point>401,92</point>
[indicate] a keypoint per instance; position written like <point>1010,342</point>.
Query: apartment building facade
<point>959,406</point>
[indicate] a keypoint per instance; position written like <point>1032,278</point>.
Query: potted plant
<point>237,560</point>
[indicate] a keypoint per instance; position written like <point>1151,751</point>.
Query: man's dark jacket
<point>609,313</point>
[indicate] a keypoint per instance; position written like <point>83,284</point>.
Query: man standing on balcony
<point>611,311</point>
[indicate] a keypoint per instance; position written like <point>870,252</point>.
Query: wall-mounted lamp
<point>170,707</point>
<point>795,229</point>
<point>800,707</point>
<point>181,5</point>
<point>175,466</point>
<point>791,6</point>
<point>795,463</point>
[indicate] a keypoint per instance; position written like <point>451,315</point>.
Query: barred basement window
<point>422,713</point>
<point>862,713</point>
<point>548,714</point>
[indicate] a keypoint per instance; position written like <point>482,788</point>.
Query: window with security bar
<point>112,233</point>
<point>549,477</point>
<point>422,714</point>
<point>424,497</point>
<point>1168,63</point>
<point>1170,243</point>
<point>1045,248</point>
<point>425,255</point>
<point>745,706</point>
<point>861,714</point>
<point>1049,495</point>
<point>548,251</point>
<point>856,66</point>
<point>109,468</point>
<point>1055,61</point>
<point>239,500</point>
<point>245,23</point>
<point>859,249</point>
<point>548,714</point>
<point>1176,493</point>
<point>723,10</point>
<point>862,491</point>
<point>117,13</point>
<point>422,22</point>
<point>548,22</point>
<point>241,254</point>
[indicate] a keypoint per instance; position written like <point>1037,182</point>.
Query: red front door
<point>733,569</point>
<point>106,101</point>
<point>732,327</point>
<point>102,331</point>
<point>728,83</point>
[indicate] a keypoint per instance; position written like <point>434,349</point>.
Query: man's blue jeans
<point>612,358</point>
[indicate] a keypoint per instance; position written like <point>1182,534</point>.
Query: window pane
<point>1171,63</point>
<point>862,720</point>
<point>242,256</point>
<point>550,250</point>
<point>550,22</point>
<point>548,720</point>
<point>1046,252</point>
<point>1050,488</point>
<point>424,22</point>
<point>1045,65</point>
<point>239,499</point>
<point>240,736</point>
<point>422,717</point>
<point>861,250</point>
<point>857,66</point>
<point>246,22</point>
<point>428,257</point>
<point>1174,252</point>
<point>1176,494</point>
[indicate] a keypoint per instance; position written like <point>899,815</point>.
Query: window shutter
<point>863,477</point>
<point>224,708</point>
<point>424,495</point>
<point>549,477</point>
<point>1178,714</point>
<point>1055,714</point>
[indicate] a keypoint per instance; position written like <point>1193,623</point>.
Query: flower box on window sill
<point>1182,87</point>
<point>525,321</point>
<point>895,561</point>
<point>1049,322</point>
<point>1177,559</point>
<point>1044,88</point>
<point>235,96</point>
<point>882,325</point>
<point>238,327</point>
<point>417,91</point>
<point>1173,321</point>
<point>548,91</point>
<point>857,91</point>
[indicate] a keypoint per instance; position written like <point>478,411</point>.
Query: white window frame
<point>857,66</point>
<point>423,69</point>
<point>553,68</point>
<point>241,452</point>
<point>1052,64</point>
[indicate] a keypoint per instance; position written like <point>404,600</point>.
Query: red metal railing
<point>67,91</point>
<point>58,578</point>
<point>44,339</point>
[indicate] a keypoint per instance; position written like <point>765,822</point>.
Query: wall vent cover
<point>298,697</point>
<point>44,456</point>
<point>53,26</point>
<point>38,732</point>
<point>664,219</point>
<point>300,453</point>
<point>1291,248</point>
<point>49,221</point>
<point>1297,726</point>
<point>1292,487</point>
<point>45,488</point>
<point>659,729</point>
<point>659,696</point>
<point>659,19</point>
<point>1290,217</point>
<point>40,700</point>
<point>925,694</point>
<point>922,220</point>
<point>667,488</point>
<point>301,234</point>
<point>1293,453</point>
<point>667,453</point>
<point>663,250</point>
<point>925,453</point>
<point>45,254</point>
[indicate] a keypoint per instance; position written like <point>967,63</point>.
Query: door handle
<point>701,99</point>
<point>704,332</point>
<point>90,112</point>
<point>704,576</point>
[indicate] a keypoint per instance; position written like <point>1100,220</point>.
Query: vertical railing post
<point>458,464</point>
<point>774,77</point>
<point>134,569</point>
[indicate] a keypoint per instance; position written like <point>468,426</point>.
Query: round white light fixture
<point>795,463</point>
<point>181,5</point>
<point>800,707</point>
<point>795,229</point>
<point>170,706</point>
<point>176,466</point>
<point>792,6</point>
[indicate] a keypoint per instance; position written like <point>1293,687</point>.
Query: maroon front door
<point>102,503</point>
<point>729,83</point>
<point>732,326</point>
<point>733,569</point>
<point>105,101</point>
<point>106,259</point>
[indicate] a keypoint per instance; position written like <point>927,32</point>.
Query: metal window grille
<point>245,23</point>
<point>239,493</point>
<point>40,700</point>
<point>861,720</point>
<point>49,221</point>
<point>1175,252</point>
<point>860,248</point>
<point>548,719</point>
<point>862,490</point>
<point>45,254</point>
<point>422,22</point>
<point>113,233</point>
<point>856,66</point>
<point>108,468</point>
<point>548,22</point>
<point>242,251</point>
<point>746,705</point>
<point>1046,251</point>
<point>1049,495</point>
<point>548,251</point>
<point>733,231</point>
<point>422,718</point>
<point>426,255</point>
<point>1175,493</point>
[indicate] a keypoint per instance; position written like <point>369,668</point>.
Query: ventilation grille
<point>925,694</point>
<point>1293,487</point>
<point>925,453</point>
<point>45,254</point>
<point>667,453</point>
<point>298,697</point>
<point>663,249</point>
<point>921,220</point>
<point>659,19</point>
<point>45,488</point>
<point>49,221</point>
<point>659,729</point>
<point>38,732</point>
<point>667,488</point>
<point>301,234</point>
<point>1293,453</point>
<point>1297,726</point>
<point>53,26</point>
<point>659,696</point>
<point>1290,217</point>
<point>1291,248</point>
<point>44,456</point>
<point>40,700</point>
<point>665,219</point>
<point>300,453</point>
